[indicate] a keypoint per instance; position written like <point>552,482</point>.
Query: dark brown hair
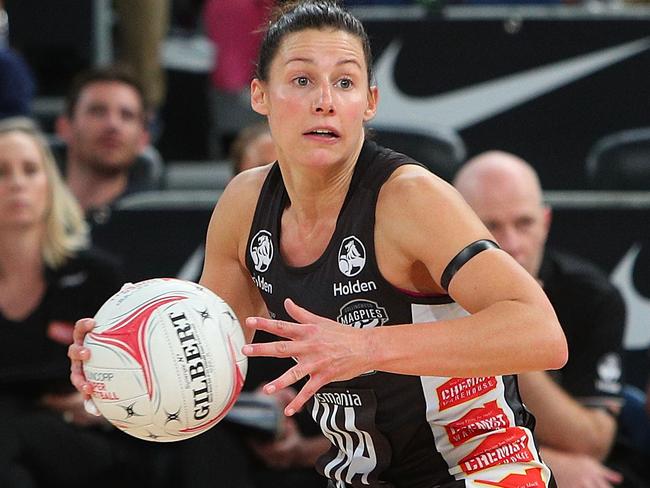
<point>117,73</point>
<point>295,16</point>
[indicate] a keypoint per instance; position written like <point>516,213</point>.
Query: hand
<point>283,453</point>
<point>323,349</point>
<point>580,471</point>
<point>291,449</point>
<point>72,408</point>
<point>77,354</point>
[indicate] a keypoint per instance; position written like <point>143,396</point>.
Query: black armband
<point>462,257</point>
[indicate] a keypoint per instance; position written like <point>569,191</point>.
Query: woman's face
<point>317,96</point>
<point>23,181</point>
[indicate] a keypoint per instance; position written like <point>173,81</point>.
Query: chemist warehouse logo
<point>362,314</point>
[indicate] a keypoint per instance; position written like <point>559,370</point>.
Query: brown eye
<point>31,168</point>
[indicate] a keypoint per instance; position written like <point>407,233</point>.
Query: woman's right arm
<point>224,270</point>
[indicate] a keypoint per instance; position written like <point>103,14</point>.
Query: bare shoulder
<point>245,187</point>
<point>414,191</point>
<point>425,218</point>
<point>233,214</point>
<point>414,181</point>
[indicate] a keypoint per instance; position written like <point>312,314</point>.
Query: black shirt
<point>592,314</point>
<point>33,363</point>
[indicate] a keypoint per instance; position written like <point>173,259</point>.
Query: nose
<point>17,179</point>
<point>324,102</point>
<point>114,118</point>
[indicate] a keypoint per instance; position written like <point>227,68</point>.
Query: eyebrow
<point>311,61</point>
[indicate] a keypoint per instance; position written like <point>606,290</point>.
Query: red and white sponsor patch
<point>477,421</point>
<point>510,446</point>
<point>531,479</point>
<point>461,390</point>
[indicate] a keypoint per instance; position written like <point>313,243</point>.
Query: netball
<point>166,360</point>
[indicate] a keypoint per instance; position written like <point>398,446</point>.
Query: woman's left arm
<point>423,222</point>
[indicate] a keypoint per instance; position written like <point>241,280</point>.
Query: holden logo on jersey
<point>609,373</point>
<point>362,314</point>
<point>262,250</point>
<point>352,256</point>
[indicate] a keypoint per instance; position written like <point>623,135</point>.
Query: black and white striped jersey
<point>391,430</point>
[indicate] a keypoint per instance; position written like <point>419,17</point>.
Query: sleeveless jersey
<point>390,430</point>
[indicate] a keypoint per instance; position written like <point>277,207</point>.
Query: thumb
<point>299,314</point>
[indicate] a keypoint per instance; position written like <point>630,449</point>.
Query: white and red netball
<point>166,361</point>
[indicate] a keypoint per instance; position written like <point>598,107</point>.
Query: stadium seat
<point>440,150</point>
<point>620,161</point>
<point>197,175</point>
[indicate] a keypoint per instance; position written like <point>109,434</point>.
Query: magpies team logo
<point>362,314</point>
<point>352,256</point>
<point>262,250</point>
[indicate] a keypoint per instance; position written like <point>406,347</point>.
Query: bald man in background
<point>576,407</point>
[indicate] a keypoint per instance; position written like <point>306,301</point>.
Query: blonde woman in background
<point>48,279</point>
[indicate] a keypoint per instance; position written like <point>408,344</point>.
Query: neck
<point>20,253</point>
<point>316,192</point>
<point>92,188</point>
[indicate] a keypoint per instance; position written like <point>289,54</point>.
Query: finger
<point>81,385</point>
<point>288,378</point>
<point>301,315</point>
<point>278,349</point>
<point>81,328</point>
<point>77,352</point>
<point>303,396</point>
<point>280,328</point>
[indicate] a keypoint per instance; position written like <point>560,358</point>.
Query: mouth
<point>323,133</point>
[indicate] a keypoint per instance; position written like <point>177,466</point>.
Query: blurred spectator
<point>253,147</point>
<point>234,28</point>
<point>17,85</point>
<point>577,407</point>
<point>105,133</point>
<point>141,28</point>
<point>354,3</point>
<point>48,280</point>
<point>289,460</point>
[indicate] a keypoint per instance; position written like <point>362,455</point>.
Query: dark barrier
<point>542,82</point>
<point>160,234</point>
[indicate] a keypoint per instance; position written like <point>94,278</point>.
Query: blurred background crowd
<point>132,115</point>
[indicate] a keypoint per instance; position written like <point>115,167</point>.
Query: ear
<point>259,100</point>
<point>373,100</point>
<point>145,138</point>
<point>63,128</point>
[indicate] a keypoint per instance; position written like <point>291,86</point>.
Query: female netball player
<point>401,313</point>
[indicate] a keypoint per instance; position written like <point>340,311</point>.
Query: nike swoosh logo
<point>465,107</point>
<point>637,332</point>
<point>191,269</point>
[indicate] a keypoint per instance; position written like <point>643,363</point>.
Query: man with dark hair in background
<point>104,128</point>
